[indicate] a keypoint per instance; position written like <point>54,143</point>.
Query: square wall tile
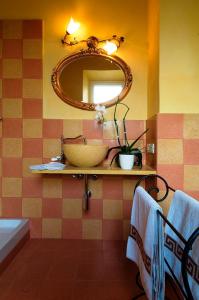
<point>173,174</point>
<point>12,68</point>
<point>170,126</point>
<point>92,130</point>
<point>32,88</point>
<point>112,230</point>
<point>11,187</point>
<point>52,228</point>
<point>72,128</point>
<point>109,132</point>
<point>72,188</point>
<point>191,153</point>
<point>12,128</point>
<point>12,108</point>
<point>72,229</point>
<point>32,48</point>
<point>95,186</point>
<point>128,187</point>
<point>126,229</point>
<point>92,229</point>
<point>95,209</point>
<point>35,228</point>
<point>31,207</point>
<point>32,68</point>
<point>12,29</point>
<point>32,128</point>
<point>51,147</point>
<point>72,208</point>
<point>52,207</point>
<point>191,175</point>
<point>32,186</point>
<point>32,29</point>
<point>52,187</point>
<point>12,167</point>
<point>170,151</point>
<point>12,88</point>
<point>112,209</point>
<point>193,194</point>
<point>127,207</point>
<point>191,128</point>
<point>32,148</point>
<point>12,48</point>
<point>11,207</point>
<point>112,187</point>
<point>52,128</point>
<point>27,162</point>
<point>134,128</point>
<point>32,108</point>
<point>12,147</point>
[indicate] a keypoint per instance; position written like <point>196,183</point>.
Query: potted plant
<point>127,149</point>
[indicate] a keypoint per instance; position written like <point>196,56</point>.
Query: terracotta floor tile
<point>88,290</point>
<point>121,289</point>
<point>27,290</point>
<point>10,274</point>
<point>115,255</point>
<point>110,245</point>
<point>55,290</point>
<point>118,271</point>
<point>91,244</point>
<point>90,271</point>
<point>4,289</point>
<point>70,270</point>
<point>62,271</point>
<point>90,256</point>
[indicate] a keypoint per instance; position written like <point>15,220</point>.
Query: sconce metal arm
<point>92,42</point>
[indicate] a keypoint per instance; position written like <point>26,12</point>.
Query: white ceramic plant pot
<point>126,161</point>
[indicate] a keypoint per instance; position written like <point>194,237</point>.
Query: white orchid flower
<point>100,111</point>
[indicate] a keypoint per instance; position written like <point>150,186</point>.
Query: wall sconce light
<point>108,46</point>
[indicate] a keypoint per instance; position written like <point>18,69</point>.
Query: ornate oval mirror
<point>86,79</point>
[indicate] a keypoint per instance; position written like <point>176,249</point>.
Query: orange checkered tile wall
<point>52,203</point>
<point>176,139</point>
<point>177,151</point>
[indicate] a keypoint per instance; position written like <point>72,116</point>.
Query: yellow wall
<point>153,58</point>
<point>101,18</point>
<point>179,56</point>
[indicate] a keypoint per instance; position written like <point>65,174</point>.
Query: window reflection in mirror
<point>105,91</point>
<point>84,80</point>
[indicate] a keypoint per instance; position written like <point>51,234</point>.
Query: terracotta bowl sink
<point>81,155</point>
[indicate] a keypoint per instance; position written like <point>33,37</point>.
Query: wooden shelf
<point>102,170</point>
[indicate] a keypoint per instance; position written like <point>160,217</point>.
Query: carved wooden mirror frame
<point>55,78</point>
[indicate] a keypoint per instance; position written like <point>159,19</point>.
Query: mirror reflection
<point>87,79</point>
<point>92,80</point>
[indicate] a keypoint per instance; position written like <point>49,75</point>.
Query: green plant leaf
<point>131,146</point>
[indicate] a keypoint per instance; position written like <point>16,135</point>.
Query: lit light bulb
<point>72,26</point>
<point>110,47</point>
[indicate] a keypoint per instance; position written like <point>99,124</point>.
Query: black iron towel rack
<point>152,188</point>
